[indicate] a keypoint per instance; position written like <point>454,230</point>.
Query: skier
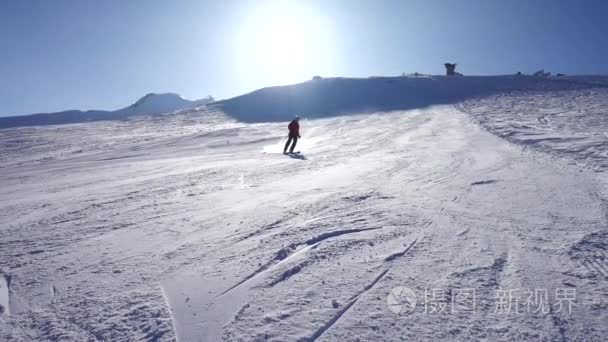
<point>294,134</point>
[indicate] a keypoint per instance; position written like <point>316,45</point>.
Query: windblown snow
<point>474,215</point>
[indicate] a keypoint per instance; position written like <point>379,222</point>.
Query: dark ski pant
<point>293,138</point>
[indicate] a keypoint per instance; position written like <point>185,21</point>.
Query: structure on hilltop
<point>450,69</point>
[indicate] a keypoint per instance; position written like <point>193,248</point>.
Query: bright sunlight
<point>280,43</point>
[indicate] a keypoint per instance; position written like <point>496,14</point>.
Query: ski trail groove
<point>335,233</point>
<point>402,253</point>
<point>484,182</point>
<point>165,296</point>
<point>289,273</point>
<point>249,277</point>
<point>4,294</point>
<point>267,227</point>
<point>310,244</point>
<point>463,232</point>
<point>353,300</point>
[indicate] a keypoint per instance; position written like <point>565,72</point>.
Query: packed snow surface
<point>473,217</point>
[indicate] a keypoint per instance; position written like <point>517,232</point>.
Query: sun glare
<point>283,43</point>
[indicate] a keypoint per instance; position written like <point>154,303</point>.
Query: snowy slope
<point>195,226</point>
<point>148,105</point>
<point>566,123</point>
<point>338,96</point>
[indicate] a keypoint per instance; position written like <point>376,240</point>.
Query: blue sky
<point>88,54</point>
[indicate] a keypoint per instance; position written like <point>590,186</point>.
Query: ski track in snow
<point>190,227</point>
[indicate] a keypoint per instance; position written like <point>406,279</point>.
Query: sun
<point>283,42</point>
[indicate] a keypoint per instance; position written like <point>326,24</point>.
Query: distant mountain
<point>150,104</point>
<point>161,103</point>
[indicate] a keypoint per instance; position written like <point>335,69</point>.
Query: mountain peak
<point>153,100</point>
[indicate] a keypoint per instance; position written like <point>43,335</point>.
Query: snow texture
<point>194,226</point>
